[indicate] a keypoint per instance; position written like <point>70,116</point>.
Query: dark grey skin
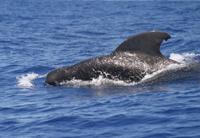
<point>130,62</point>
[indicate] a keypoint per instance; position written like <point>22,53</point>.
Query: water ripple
<point>38,36</point>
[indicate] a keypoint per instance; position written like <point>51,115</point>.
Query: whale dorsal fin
<point>148,43</point>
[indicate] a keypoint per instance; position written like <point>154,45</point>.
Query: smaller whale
<point>130,61</point>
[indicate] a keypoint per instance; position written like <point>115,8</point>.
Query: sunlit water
<point>39,36</point>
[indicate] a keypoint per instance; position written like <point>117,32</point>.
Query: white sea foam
<point>100,81</point>
<point>26,80</point>
<point>167,68</point>
<point>184,58</point>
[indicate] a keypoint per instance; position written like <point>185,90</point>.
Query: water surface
<point>39,36</point>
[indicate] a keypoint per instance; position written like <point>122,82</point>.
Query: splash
<point>100,81</point>
<point>26,80</point>
<point>184,58</point>
<point>168,68</point>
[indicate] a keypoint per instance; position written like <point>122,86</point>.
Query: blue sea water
<point>37,36</point>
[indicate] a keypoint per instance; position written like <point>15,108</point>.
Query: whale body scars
<point>130,62</point>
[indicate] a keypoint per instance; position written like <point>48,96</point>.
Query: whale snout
<point>55,77</point>
<point>51,78</point>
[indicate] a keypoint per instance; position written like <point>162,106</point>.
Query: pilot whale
<point>130,61</point>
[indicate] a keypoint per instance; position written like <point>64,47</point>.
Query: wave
<point>187,62</point>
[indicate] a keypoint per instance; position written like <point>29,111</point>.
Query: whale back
<point>147,43</point>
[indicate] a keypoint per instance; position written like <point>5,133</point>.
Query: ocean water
<point>37,36</point>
